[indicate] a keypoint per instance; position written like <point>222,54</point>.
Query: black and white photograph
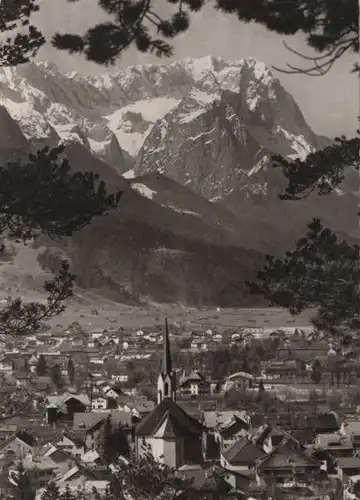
<point>179,250</point>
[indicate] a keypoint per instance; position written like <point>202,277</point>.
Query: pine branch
<point>330,27</point>
<point>148,478</point>
<point>24,318</point>
<point>21,48</point>
<point>321,171</point>
<point>322,273</point>
<point>320,64</point>
<point>43,196</point>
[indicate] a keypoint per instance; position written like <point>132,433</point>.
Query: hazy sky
<point>329,103</point>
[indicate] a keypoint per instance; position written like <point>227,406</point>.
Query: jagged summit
<point>207,123</point>
<point>193,140</point>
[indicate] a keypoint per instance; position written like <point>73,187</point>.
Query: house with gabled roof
<point>268,437</point>
<point>194,385</point>
<point>246,483</point>
<point>280,370</point>
<point>288,460</point>
<point>64,406</point>
<point>138,408</point>
<point>113,392</point>
<point>58,456</point>
<point>347,467</point>
<point>77,474</point>
<point>220,419</point>
<point>7,430</point>
<point>42,384</point>
<point>239,380</point>
<point>223,428</point>
<point>99,403</point>
<point>91,424</point>
<point>336,444</point>
<point>40,471</point>
<point>327,423</point>
<point>229,432</point>
<point>20,444</point>
<point>207,483</point>
<point>15,447</point>
<point>241,456</point>
<point>71,444</point>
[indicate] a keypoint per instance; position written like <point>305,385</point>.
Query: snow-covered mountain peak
<point>47,67</point>
<point>203,66</point>
<point>206,107</point>
<point>7,76</point>
<point>175,79</point>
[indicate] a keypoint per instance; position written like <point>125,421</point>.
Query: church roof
<point>168,420</point>
<point>171,428</point>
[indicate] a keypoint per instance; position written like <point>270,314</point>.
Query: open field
<point>252,318</point>
<point>111,315</point>
<point>23,277</point>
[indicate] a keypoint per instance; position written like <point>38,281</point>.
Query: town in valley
<point>240,412</point>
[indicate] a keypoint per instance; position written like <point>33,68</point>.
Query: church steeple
<point>167,378</point>
<point>167,355</point>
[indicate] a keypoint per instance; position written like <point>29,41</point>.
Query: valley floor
<point>21,276</point>
<point>112,315</point>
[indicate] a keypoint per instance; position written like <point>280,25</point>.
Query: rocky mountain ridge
<point>164,244</point>
<point>189,144</point>
<point>123,107</point>
<point>207,123</point>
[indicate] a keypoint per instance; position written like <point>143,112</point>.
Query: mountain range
<point>190,145</point>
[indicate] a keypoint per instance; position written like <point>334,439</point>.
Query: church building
<point>171,435</point>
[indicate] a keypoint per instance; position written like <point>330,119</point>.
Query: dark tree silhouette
<point>67,495</point>
<point>43,196</point>
<point>108,451</point>
<point>316,372</point>
<point>51,492</point>
<point>23,489</point>
<point>357,489</point>
<point>313,401</point>
<point>56,376</point>
<point>71,371</point>
<point>21,318</point>
<point>115,442</point>
<point>41,366</point>
<point>322,272</point>
<point>19,48</point>
<point>261,387</point>
<point>320,172</point>
<point>330,27</point>
<point>147,479</point>
<point>68,202</point>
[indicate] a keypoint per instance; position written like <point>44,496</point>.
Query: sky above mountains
<point>329,103</point>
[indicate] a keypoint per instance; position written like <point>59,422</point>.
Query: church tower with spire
<point>166,387</point>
